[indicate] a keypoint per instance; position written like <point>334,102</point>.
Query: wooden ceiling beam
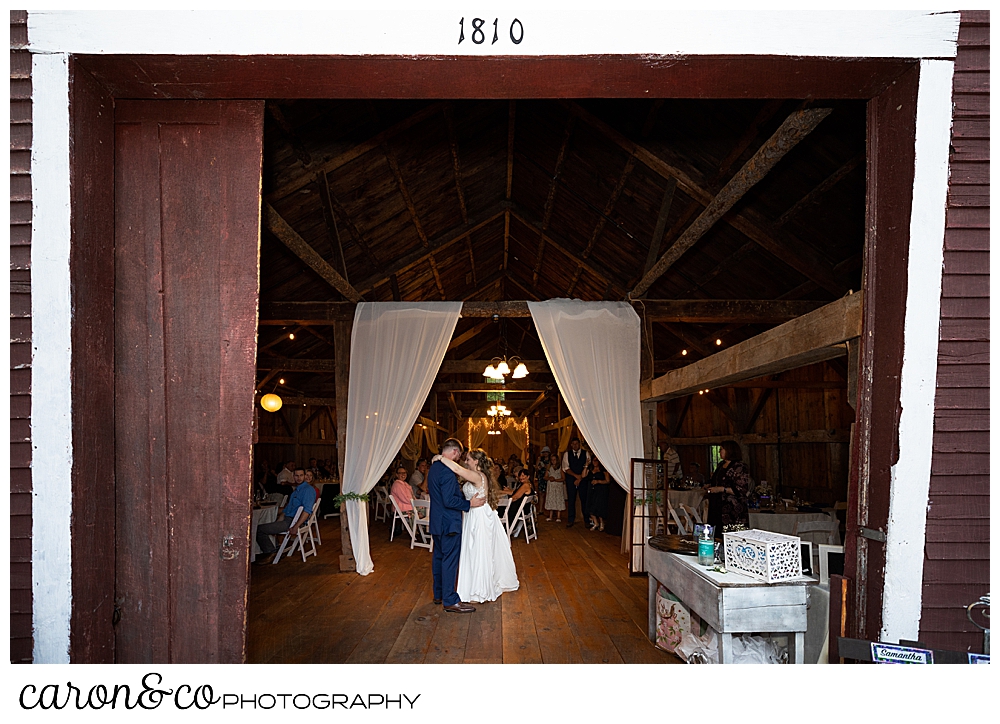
<point>661,224</point>
<point>513,386</point>
<point>765,114</point>
<point>692,311</point>
<point>814,337</point>
<point>390,157</point>
<point>301,248</point>
<point>457,169</point>
<point>293,138</point>
<point>601,222</point>
<point>795,128</point>
<point>561,246</point>
<point>550,199</point>
<point>454,405</point>
<point>813,196</point>
<point>337,207</point>
<point>468,334</point>
<point>511,108</point>
<point>439,244</point>
<point>748,223</point>
<point>353,153</point>
<point>724,311</point>
<point>332,230</point>
<point>539,401</point>
<point>289,364</point>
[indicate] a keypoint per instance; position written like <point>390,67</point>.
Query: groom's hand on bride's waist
<point>476,502</point>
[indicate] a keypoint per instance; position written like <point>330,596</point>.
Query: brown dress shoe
<point>460,607</point>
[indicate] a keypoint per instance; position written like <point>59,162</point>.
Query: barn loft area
<point>499,200</point>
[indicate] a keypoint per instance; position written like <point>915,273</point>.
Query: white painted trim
<point>550,29</point>
<point>361,29</point>
<point>910,476</point>
<point>51,315</point>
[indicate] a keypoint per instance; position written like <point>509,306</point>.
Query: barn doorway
<point>506,200</point>
<point>100,83</point>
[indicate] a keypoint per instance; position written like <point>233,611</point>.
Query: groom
<point>447,506</point>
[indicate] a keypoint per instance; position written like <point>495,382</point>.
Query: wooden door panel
<point>187,225</point>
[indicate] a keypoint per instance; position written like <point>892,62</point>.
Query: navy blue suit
<point>447,505</point>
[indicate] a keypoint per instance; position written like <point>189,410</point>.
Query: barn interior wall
<point>817,471</point>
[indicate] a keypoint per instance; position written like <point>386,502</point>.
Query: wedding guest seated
<point>400,490</point>
<point>418,480</point>
<point>303,496</point>
<point>521,488</point>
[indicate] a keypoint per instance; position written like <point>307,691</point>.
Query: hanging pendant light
<point>271,402</point>
<point>520,371</point>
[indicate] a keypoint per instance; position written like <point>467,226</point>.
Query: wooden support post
<point>342,352</point>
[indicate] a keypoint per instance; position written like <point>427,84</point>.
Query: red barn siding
<point>956,556</point>
<point>20,339</point>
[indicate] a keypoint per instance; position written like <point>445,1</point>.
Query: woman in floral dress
<point>728,489</point>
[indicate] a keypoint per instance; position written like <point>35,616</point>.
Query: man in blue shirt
<point>304,495</point>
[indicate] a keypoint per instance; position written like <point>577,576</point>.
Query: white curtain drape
<point>593,352</point>
<point>396,352</point>
<point>517,431</point>
<point>474,432</point>
<point>412,445</point>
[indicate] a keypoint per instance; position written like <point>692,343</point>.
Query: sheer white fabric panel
<point>593,352</point>
<point>518,434</point>
<point>396,351</point>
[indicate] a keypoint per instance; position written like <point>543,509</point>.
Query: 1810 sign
<point>478,35</point>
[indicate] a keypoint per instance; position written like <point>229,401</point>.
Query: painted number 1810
<point>478,35</point>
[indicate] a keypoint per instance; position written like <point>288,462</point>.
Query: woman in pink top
<point>401,490</point>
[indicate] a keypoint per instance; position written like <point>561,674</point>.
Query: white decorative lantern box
<point>769,557</point>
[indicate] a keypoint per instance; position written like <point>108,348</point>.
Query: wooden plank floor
<point>576,604</point>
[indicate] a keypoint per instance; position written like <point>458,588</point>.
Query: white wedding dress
<point>486,567</point>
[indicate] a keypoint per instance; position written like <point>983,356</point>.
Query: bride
<point>486,566</point>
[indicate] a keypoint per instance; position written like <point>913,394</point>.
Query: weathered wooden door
<point>187,209</point>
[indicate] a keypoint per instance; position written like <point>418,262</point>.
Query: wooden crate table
<point>731,603</point>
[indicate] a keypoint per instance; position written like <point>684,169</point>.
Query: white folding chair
<point>421,525</point>
<point>504,502</point>
<point>284,501</point>
<point>821,531</point>
<point>685,527</point>
<point>525,520</point>
<point>313,522</point>
<point>275,497</point>
<point>301,536</point>
<point>405,518</point>
<point>381,502</point>
<point>662,522</point>
<point>692,513</point>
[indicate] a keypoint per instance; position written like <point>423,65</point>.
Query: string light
<point>291,335</point>
<point>718,343</point>
<point>281,381</point>
<point>684,353</point>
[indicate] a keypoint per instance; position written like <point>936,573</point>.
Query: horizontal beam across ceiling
<point>815,337</point>
<point>694,311</point>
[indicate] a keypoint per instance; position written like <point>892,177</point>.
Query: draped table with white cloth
<point>690,498</point>
<point>264,514</point>
<point>785,522</point>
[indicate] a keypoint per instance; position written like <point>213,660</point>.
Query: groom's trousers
<point>444,566</point>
